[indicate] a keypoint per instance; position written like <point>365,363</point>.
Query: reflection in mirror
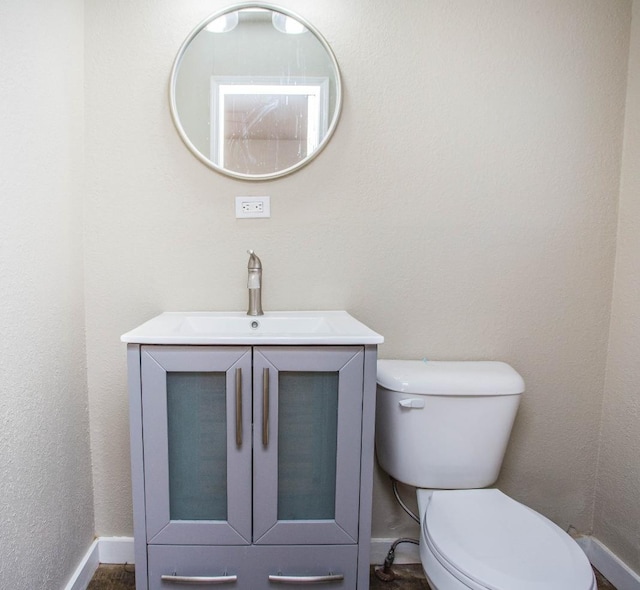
<point>255,92</point>
<point>268,126</point>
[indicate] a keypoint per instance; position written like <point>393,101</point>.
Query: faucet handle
<point>254,261</point>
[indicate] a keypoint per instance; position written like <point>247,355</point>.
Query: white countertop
<point>236,327</point>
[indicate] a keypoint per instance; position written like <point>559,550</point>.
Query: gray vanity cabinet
<point>248,466</point>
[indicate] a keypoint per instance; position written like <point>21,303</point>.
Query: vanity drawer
<point>277,566</point>
<point>253,567</point>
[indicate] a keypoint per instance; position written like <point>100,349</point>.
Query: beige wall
<point>617,509</point>
<point>46,503</point>
<point>465,208</point>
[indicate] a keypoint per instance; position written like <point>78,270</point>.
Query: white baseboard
<point>102,550</point>
<point>116,550</point>
<point>120,550</point>
<point>85,570</point>
<point>609,564</point>
<point>405,552</point>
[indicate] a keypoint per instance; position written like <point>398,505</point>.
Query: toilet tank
<point>445,424</point>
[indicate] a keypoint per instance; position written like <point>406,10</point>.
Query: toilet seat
<point>489,541</point>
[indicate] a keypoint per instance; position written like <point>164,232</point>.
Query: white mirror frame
<point>202,157</point>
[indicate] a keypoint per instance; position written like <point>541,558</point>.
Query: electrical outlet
<point>253,207</point>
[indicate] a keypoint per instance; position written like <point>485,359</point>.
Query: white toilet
<point>443,427</point>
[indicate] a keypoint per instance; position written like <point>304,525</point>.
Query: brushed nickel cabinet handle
<point>199,580</point>
<point>239,407</point>
<point>265,407</point>
<point>280,579</point>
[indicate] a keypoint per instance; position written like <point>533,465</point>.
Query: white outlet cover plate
<point>253,207</point>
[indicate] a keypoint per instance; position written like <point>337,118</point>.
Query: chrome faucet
<point>254,284</point>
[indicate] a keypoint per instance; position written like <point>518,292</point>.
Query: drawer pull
<point>279,579</point>
<point>199,580</point>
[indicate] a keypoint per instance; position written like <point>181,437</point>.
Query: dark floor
<point>408,577</point>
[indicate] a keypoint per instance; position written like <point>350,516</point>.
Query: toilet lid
<point>501,544</point>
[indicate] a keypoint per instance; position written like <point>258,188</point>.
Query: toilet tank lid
<point>449,377</point>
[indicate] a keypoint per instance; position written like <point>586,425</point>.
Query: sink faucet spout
<point>254,284</point>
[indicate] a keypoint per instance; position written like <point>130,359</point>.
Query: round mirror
<point>255,92</point>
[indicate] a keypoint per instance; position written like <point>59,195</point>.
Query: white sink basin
<point>236,327</point>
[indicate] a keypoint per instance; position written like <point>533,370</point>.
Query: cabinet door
<point>196,416</point>
<point>307,432</point>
